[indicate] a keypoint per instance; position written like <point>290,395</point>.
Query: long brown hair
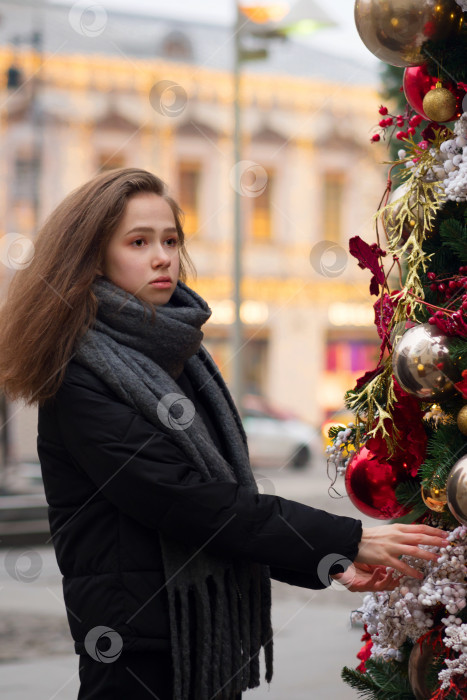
<point>50,303</point>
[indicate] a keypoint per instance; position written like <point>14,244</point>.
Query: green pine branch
<point>408,493</point>
<point>384,680</point>
<point>361,682</point>
<point>453,235</point>
<point>458,352</point>
<point>450,218</point>
<point>446,58</point>
<point>445,447</point>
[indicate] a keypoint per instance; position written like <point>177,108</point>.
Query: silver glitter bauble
<point>421,363</point>
<point>456,489</point>
<point>397,198</point>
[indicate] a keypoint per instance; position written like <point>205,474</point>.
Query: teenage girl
<point>165,545</point>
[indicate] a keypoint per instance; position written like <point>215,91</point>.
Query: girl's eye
<point>172,242</point>
<point>138,240</point>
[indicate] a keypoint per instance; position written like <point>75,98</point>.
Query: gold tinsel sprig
<point>415,210</point>
<point>407,222</point>
<point>375,402</point>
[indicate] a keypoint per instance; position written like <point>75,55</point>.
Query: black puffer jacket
<point>112,481</point>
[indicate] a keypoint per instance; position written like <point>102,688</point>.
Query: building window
<point>14,77</point>
<point>25,181</point>
<point>110,161</point>
<point>176,46</point>
<point>351,355</point>
<point>262,209</point>
<point>255,359</point>
<point>332,202</point>
<point>189,181</point>
<point>255,362</point>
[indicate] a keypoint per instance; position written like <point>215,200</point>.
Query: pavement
<point>313,638</point>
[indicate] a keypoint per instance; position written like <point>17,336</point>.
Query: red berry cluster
<point>449,321</point>
<point>395,121</point>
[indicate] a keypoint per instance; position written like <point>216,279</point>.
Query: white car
<point>278,439</point>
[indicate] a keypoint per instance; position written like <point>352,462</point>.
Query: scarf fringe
<point>245,621</point>
<point>255,607</point>
<point>233,597</point>
<point>266,627</point>
<point>217,638</point>
<point>217,597</point>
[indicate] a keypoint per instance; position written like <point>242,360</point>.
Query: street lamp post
<point>237,328</point>
<point>270,16</point>
<point>37,124</point>
<point>241,54</point>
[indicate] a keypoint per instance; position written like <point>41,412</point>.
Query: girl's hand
<point>385,544</point>
<point>359,578</point>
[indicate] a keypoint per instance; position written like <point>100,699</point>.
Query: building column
<point>165,165</point>
<point>296,360</point>
<point>78,164</point>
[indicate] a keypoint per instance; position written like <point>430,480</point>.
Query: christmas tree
<point>405,455</point>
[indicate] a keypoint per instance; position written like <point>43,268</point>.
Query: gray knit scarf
<point>219,606</point>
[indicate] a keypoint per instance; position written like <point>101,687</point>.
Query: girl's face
<point>142,256</point>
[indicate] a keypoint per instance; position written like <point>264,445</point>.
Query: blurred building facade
<point>82,93</point>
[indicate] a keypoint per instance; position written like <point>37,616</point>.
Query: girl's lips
<point>164,284</point>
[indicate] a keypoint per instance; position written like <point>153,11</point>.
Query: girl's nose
<point>160,256</point>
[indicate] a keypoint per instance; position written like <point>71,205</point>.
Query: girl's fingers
<point>425,539</point>
<point>414,551</point>
<point>424,534</point>
<point>405,569</point>
<point>365,567</point>
<point>385,544</point>
<point>385,585</point>
<point>379,582</point>
<point>424,554</point>
<point>423,529</point>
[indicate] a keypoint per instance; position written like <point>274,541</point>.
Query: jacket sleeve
<point>148,477</point>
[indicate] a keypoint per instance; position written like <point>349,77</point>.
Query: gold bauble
<point>462,420</point>
<point>434,498</point>
<point>394,30</point>
<point>440,105</point>
<point>420,660</point>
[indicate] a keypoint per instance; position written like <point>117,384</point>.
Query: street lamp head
<point>264,12</point>
<point>281,19</point>
<point>307,10</point>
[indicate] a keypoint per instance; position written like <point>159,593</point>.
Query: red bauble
<point>417,83</point>
<point>371,485</point>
